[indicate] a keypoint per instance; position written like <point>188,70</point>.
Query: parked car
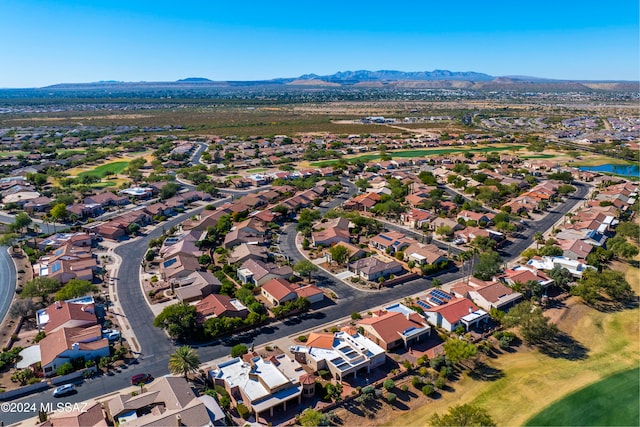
<point>63,390</point>
<point>458,241</point>
<point>141,379</point>
<point>110,334</point>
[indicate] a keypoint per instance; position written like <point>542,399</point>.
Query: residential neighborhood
<point>284,286</point>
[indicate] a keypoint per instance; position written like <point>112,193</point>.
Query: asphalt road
<point>156,346</point>
<point>48,228</point>
<point>7,282</point>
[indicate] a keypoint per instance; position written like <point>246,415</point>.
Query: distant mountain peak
<point>194,80</point>
<point>394,75</point>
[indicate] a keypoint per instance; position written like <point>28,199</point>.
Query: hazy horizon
<point>70,41</point>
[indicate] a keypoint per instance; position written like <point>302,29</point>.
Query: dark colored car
<point>141,379</point>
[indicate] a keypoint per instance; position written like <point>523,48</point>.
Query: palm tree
<point>184,361</point>
<point>539,238</point>
<point>472,258</point>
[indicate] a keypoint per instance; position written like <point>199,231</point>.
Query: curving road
<point>8,281</point>
<point>156,347</point>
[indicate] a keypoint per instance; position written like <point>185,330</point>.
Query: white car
<point>110,334</point>
<point>62,390</point>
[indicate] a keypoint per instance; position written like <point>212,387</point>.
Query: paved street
<point>7,281</point>
<point>156,347</point>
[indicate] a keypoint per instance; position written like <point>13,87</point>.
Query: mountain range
<point>436,79</point>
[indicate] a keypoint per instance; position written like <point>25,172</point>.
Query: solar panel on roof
<point>440,294</point>
<point>55,267</point>
<point>437,300</point>
<point>423,304</point>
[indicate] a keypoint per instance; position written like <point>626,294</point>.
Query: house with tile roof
<point>219,305</point>
<point>67,262</point>
<point>278,291</point>
<point>259,273</point>
<point>448,312</point>
<point>66,344</point>
<point>76,313</point>
<point>424,254</point>
<point>396,326</point>
<point>245,251</point>
<point>343,353</point>
<point>196,286</point>
<point>372,268</point>
<point>261,384</point>
<point>390,241</point>
<point>416,218</point>
<point>523,274</point>
<point>487,295</point>
<point>90,416</point>
<point>167,401</point>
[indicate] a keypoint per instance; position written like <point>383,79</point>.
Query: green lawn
<point>257,170</point>
<point>421,153</point>
<point>613,401</point>
<point>115,167</point>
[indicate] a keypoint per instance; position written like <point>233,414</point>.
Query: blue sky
<point>48,42</point>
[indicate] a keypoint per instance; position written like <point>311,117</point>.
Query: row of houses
<point>591,226</point>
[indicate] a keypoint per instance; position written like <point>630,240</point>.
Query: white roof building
<point>261,384</point>
<point>576,268</point>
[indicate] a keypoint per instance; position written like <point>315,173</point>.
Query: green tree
<point>561,276</point>
<point>339,254</point>
<point>488,265</point>
<point>224,225</point>
<point>427,178</point>
<point>204,259</point>
<point>461,416</point>
<point>610,282</point>
<point>538,237</point>
<point>628,229</point>
<point>305,267</point>
<point>238,350</point>
<point>551,250</point>
<point>169,190</point>
<point>58,212</point>
<point>184,361</point>
<point>444,230</point>
<point>179,320</point>
<point>22,376</point>
<point>133,228</point>
<point>534,326</point>
<point>529,253</point>
<point>312,418</point>
<point>484,243</point>
<point>9,239</point>
<point>76,288</point>
<point>40,287</point>
<point>362,184</point>
<point>459,351</point>
<point>21,221</point>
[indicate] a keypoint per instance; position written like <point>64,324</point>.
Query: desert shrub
<point>441,382</point>
<point>243,411</point>
<point>368,389</point>
<point>388,384</point>
<point>64,369</point>
<point>428,390</point>
<point>417,382</point>
<point>391,397</point>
